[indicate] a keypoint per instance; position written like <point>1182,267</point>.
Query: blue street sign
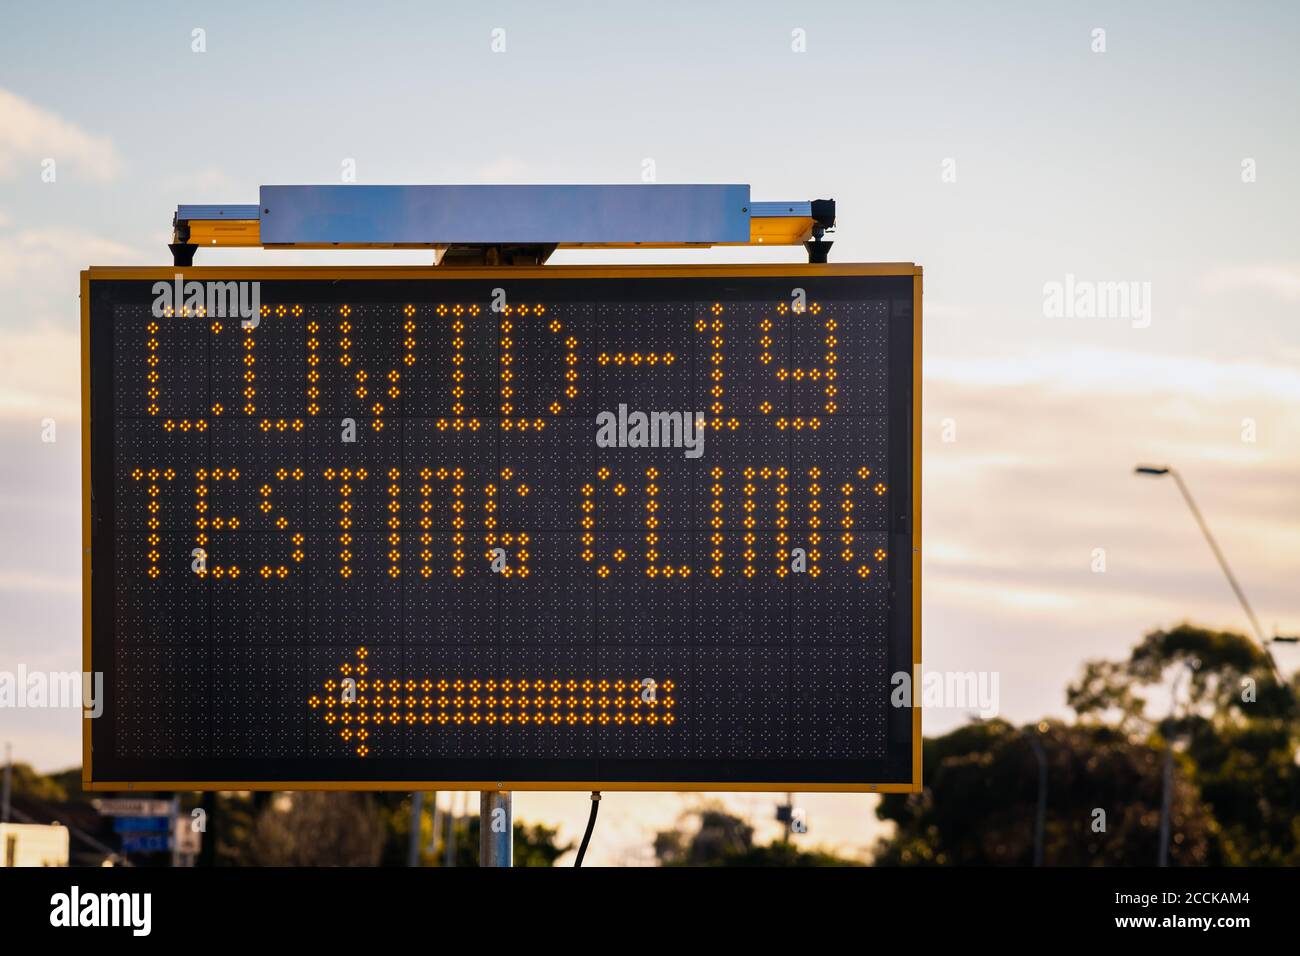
<point>146,843</point>
<point>141,824</point>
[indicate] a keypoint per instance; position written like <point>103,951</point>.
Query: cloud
<point>56,255</point>
<point>40,338</point>
<point>1280,281</point>
<point>1116,372</point>
<point>25,582</point>
<point>506,169</point>
<point>210,184</point>
<point>29,134</point>
<point>1038,473</point>
<point>40,374</point>
<point>936,309</point>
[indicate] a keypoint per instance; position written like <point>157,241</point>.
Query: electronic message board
<point>549,528</point>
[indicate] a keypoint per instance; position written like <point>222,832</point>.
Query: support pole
<point>1161,470</point>
<point>1166,804</point>
<point>819,249</point>
<point>495,828</point>
<point>182,254</point>
<point>175,825</point>
<point>1040,815</point>
<point>208,848</point>
<point>8,783</point>
<point>1227,572</point>
<point>435,821</point>
<point>417,811</point>
<point>1167,783</point>
<point>449,845</point>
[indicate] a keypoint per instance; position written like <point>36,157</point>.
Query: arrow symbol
<point>358,703</point>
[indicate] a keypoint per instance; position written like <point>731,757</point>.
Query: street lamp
<point>1167,791</point>
<point>1040,815</point>
<point>1162,470</point>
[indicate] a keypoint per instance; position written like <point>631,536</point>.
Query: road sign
<point>146,843</point>
<point>131,807</point>
<point>189,841</point>
<point>547,528</point>
<point>141,824</point>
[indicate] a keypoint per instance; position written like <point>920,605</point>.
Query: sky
<point>996,145</point>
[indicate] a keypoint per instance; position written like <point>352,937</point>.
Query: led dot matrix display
<point>366,534</point>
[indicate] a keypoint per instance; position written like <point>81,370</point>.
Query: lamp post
<point>1162,470</point>
<point>1040,815</point>
<point>1167,792</point>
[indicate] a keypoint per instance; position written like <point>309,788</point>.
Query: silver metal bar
<point>436,819</point>
<point>449,845</point>
<point>495,828</point>
<point>417,811</point>
<point>476,215</point>
<point>224,211</point>
<point>185,213</point>
<point>780,210</point>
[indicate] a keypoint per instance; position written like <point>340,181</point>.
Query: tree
<point>315,828</point>
<point>30,783</point>
<point>1236,792</point>
<point>1230,680</point>
<point>721,839</point>
<point>1239,723</point>
<point>533,845</point>
<point>981,800</point>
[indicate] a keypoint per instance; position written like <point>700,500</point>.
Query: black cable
<point>591,825</point>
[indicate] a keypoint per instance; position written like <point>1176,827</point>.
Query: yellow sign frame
<point>250,273</point>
